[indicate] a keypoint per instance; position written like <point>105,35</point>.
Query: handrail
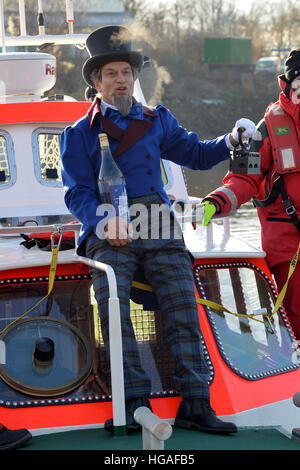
<point>39,229</point>
<point>191,218</point>
<point>29,40</point>
<point>115,346</point>
<point>38,40</point>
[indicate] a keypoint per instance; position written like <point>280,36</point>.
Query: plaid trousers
<point>168,269</point>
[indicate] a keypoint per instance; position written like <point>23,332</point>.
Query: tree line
<point>181,25</point>
<point>172,33</point>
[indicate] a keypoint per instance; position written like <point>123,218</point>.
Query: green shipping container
<point>228,50</point>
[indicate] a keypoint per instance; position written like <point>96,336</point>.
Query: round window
<point>44,357</point>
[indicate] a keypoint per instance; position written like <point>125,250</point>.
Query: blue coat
<point>151,135</point>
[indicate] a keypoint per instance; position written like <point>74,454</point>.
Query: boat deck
<point>181,439</point>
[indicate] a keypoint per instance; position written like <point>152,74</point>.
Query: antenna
<point>40,19</point>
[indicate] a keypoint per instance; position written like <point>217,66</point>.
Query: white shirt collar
<point>105,105</point>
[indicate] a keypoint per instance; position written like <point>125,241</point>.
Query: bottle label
<point>103,140</point>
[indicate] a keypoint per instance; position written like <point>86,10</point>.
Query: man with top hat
<point>275,191</point>
<point>139,137</point>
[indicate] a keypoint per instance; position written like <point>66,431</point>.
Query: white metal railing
<point>40,229</point>
<point>41,38</point>
<point>194,215</point>
<point>115,345</point>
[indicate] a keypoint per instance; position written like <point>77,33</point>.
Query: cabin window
<point>252,349</point>
<point>7,163</point>
<point>46,151</point>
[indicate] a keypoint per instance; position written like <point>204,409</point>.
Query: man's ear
<point>97,85</point>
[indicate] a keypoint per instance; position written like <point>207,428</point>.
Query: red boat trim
<point>77,414</point>
<point>45,111</point>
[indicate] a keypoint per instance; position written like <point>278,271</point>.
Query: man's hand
<point>248,130</point>
<point>117,231</point>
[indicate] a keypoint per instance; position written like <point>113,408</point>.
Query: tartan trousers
<point>168,269</point>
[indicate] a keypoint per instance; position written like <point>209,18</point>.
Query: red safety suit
<point>280,236</point>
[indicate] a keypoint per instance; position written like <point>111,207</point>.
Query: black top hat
<point>109,44</point>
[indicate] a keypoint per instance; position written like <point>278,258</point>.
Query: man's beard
<point>123,103</point>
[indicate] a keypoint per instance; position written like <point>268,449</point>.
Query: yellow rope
<point>219,307</point>
<point>52,271</point>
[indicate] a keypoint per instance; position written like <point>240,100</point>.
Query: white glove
<point>247,125</point>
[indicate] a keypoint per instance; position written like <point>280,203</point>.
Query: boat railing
<point>193,215</point>
<point>115,346</point>
<point>30,40</point>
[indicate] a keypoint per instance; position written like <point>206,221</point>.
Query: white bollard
<point>155,430</point>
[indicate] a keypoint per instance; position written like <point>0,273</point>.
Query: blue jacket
<point>151,135</point>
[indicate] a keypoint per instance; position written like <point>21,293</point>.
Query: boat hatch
<point>252,349</point>
<point>69,318</point>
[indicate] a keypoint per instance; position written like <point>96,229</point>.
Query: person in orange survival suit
<point>276,189</point>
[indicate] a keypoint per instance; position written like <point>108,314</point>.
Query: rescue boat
<point>54,374</point>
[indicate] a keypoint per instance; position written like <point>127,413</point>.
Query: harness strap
<point>278,188</point>
<point>272,196</point>
<point>289,206</point>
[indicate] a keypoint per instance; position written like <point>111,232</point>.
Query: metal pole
<point>22,18</point>
<point>41,18</point>
<point>2,26</point>
<point>115,345</point>
<point>70,15</point>
<point>155,430</point>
